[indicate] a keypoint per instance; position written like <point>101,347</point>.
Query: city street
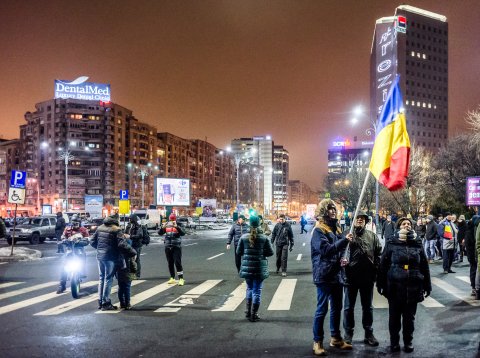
<point>205,317</point>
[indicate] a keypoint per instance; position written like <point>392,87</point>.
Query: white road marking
<point>234,300</point>
<point>303,244</point>
<point>431,302</point>
<point>211,258</point>
<point>3,263</point>
<point>464,278</point>
<point>282,299</point>
<point>455,292</point>
<point>195,243</point>
<point>379,301</point>
<point>299,257</point>
<point>9,284</point>
<point>27,289</point>
<point>189,297</point>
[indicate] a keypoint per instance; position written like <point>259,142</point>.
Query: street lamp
<point>143,173</point>
<point>66,156</point>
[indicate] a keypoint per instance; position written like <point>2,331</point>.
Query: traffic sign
<point>124,207</point>
<point>18,179</point>
<point>123,194</point>
<point>16,196</point>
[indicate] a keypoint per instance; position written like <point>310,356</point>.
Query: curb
<point>25,254</point>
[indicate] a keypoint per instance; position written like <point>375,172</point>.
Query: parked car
<point>92,225</point>
<point>36,230</point>
<point>186,221</point>
<point>148,217</point>
<point>290,220</point>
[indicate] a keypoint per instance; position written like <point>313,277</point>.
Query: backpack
<point>146,235</point>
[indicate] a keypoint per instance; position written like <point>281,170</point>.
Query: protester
<point>173,248</point>
<point>264,226</point>
<point>327,244</point>
<point>365,251</point>
<point>431,236</point>
<point>421,229</point>
<point>282,237</point>
<point>254,248</point>
<point>447,230</point>
<point>469,243</point>
<point>462,227</point>
<point>239,228</point>
<point>134,232</point>
<point>110,243</point>
<point>303,223</point>
<point>126,272</point>
<point>388,229</point>
<point>60,225</point>
<point>3,229</point>
<point>404,279</point>
<point>477,275</point>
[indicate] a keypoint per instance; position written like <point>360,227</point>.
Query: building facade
<point>281,163</point>
<point>299,195</point>
<point>413,44</point>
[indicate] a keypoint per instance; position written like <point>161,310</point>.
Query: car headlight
<point>73,266</point>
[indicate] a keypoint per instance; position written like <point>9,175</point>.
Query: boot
<point>107,306</point>
<point>128,306</point>
<point>254,316</point>
<point>340,343</point>
<point>370,339</point>
<point>100,305</point>
<point>248,312</point>
<point>61,289</point>
<point>318,349</point>
<point>477,294</point>
<point>348,337</point>
<point>408,347</point>
<point>122,304</point>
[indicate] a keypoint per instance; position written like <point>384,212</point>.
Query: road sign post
<point>16,195</point>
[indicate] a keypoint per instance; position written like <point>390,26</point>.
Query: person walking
<point>446,231</point>
<point>134,232</point>
<point>303,223</point>
<point>109,242</point>
<point>3,229</point>
<point>173,248</point>
<point>264,227</point>
<point>361,271</point>
<point>60,225</point>
<point>254,248</point>
<point>404,279</point>
<point>431,236</point>
<point>327,245</point>
<point>236,231</point>
<point>471,250</point>
<point>388,229</point>
<point>282,237</point>
<point>462,227</point>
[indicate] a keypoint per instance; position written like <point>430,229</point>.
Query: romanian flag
<point>391,150</point>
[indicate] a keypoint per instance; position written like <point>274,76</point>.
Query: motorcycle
<point>75,261</point>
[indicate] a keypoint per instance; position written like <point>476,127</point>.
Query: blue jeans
<point>254,290</point>
<point>366,298</point>
<point>124,289</point>
<point>106,270</point>
<point>430,248</point>
<point>325,293</point>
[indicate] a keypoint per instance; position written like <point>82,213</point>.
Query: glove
<point>291,248</point>
<point>380,291</point>
<point>427,293</point>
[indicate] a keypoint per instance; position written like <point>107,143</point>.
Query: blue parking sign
<point>18,179</point>
<point>123,194</point>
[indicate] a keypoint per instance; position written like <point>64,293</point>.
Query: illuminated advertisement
<point>94,205</point>
<point>172,192</point>
<point>81,89</point>
<point>206,208</point>
<point>473,191</point>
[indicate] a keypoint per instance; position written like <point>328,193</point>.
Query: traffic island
<point>19,254</point>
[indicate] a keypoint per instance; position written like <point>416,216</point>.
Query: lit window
<point>418,54</point>
<point>413,54</point>
<point>406,102</point>
<point>418,104</point>
<point>429,105</point>
<point>435,107</point>
<point>424,56</point>
<point>424,105</point>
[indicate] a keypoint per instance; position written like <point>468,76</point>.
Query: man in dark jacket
<point>471,250</point>
<point>110,244</point>
<point>282,237</point>
<point>235,233</point>
<point>59,228</point>
<point>134,232</point>
<point>431,236</point>
<point>173,248</point>
<point>462,227</point>
<point>3,229</point>
<point>361,272</point>
<point>327,245</point>
<point>448,232</point>
<point>388,229</point>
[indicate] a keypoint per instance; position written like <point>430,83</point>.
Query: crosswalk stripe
<point>211,258</point>
<point>454,291</point>
<point>303,244</point>
<point>27,289</point>
<point>9,284</point>
<point>115,290</point>
<point>464,278</point>
<point>282,299</point>
<point>187,298</point>
<point>431,303</point>
<point>234,300</point>
<point>379,301</point>
<point>195,243</point>
<point>299,257</point>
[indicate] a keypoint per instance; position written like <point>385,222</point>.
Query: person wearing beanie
<point>173,248</point>
<point>238,229</point>
<point>360,273</point>
<point>327,245</point>
<point>404,279</point>
<point>448,232</point>
<point>254,247</point>
<point>430,238</point>
<point>134,232</point>
<point>282,236</point>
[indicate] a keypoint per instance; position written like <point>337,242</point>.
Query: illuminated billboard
<point>172,192</point>
<point>81,89</point>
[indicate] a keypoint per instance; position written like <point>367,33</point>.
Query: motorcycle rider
<point>74,228</point>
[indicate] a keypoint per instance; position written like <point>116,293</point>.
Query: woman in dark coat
<point>254,248</point>
<point>404,279</point>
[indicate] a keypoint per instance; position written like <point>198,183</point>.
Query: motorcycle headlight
<point>73,266</point>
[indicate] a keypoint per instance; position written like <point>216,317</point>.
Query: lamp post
<point>66,156</point>
<point>143,173</point>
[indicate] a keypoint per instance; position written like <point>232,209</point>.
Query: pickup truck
<point>36,230</point>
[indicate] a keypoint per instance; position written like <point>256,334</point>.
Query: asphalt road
<point>205,317</point>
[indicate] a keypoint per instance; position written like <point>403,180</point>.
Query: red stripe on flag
<point>395,177</point>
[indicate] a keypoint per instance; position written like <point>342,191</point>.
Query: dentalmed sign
<point>81,89</point>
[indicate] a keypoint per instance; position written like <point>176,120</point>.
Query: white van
<point>149,217</point>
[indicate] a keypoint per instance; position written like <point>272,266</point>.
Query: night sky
<point>223,69</point>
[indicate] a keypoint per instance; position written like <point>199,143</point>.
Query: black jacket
<point>431,232</point>
<point>282,234</point>
<point>388,230</point>
<point>59,226</point>
<point>136,234</point>
<point>462,227</point>
<point>469,241</point>
<point>236,232</point>
<point>109,241</point>
<point>173,234</point>
<point>404,275</point>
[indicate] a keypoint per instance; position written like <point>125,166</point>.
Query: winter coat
<point>60,226</point>
<point>462,227</point>
<point>469,241</point>
<point>136,234</point>
<point>236,232</point>
<point>254,259</point>
<point>126,268</point>
<point>365,251</point>
<point>404,275</point>
<point>109,241</point>
<point>421,231</point>
<point>3,229</point>
<point>327,247</point>
<point>266,230</point>
<point>388,230</point>
<point>69,231</point>
<point>477,244</point>
<point>173,234</point>
<point>447,231</point>
<point>431,231</point>
<point>282,234</point>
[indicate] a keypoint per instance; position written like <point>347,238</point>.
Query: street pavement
<point>205,317</point>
